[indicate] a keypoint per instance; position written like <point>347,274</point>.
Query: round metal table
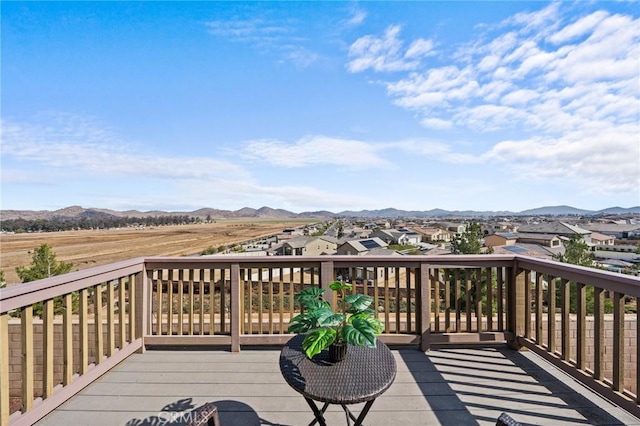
<point>362,376</point>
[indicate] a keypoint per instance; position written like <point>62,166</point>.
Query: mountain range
<point>77,212</point>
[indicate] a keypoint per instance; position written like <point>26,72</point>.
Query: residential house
<point>561,229</point>
<point>547,240</point>
<point>620,231</point>
<point>401,236</point>
<point>500,239</point>
<point>360,247</point>
<point>306,246</point>
<point>430,235</point>
<point>599,239</point>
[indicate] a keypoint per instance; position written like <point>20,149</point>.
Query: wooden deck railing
<point>89,321</point>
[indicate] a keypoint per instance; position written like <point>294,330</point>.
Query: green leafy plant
<point>355,324</point>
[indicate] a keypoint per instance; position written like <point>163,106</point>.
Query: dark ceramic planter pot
<point>337,352</point>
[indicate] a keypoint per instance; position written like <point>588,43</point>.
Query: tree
<point>45,265</point>
<point>3,281</point>
<point>469,242</point>
<point>576,252</point>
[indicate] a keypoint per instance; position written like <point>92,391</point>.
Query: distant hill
<point>77,212</point>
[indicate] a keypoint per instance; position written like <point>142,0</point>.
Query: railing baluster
<point>409,313</point>
<point>435,285</point>
<point>169,302</point>
<point>27,357</point>
<point>500,295</point>
<point>111,334</point>
<point>387,323</point>
<point>467,289</point>
<point>598,333</point>
<point>180,302</point>
<point>447,300</point>
<point>212,302</point>
<point>223,301</point>
<point>67,340</point>
<point>201,300</point>
<point>551,314</point>
<point>398,299</point>
<point>97,322</point>
<point>281,299</point>
<point>489,286</point>
<point>581,332</point>
<point>47,346</point>
<point>618,342</point>
<point>527,303</point>
<point>191,302</point>
<point>539,325</point>
<point>84,330</point>
<point>564,319</point>
<point>271,305</point>
<point>478,305</point>
<point>122,309</point>
<point>458,296</point>
<point>260,300</point>
<point>132,307</point>
<point>4,369</point>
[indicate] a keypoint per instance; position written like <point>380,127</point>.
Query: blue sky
<point>320,105</point>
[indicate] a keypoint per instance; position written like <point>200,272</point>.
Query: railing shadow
<point>468,385</point>
<point>178,413</point>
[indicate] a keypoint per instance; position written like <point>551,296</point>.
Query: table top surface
<point>363,375</point>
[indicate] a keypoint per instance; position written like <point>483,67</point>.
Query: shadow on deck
<point>450,385</point>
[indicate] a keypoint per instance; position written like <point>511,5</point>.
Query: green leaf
<point>318,340</point>
<point>302,323</point>
<point>309,297</point>
<point>332,320</point>
<point>337,285</point>
<point>358,302</point>
<point>375,323</point>
<point>360,333</point>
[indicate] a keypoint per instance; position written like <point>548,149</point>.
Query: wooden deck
<point>448,386</point>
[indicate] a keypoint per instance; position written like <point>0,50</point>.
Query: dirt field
<point>86,249</point>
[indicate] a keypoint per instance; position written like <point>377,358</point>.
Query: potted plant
<point>354,324</point>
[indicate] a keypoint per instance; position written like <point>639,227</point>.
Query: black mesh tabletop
<point>362,376</point>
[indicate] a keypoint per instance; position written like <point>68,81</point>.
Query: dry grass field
<point>86,249</point>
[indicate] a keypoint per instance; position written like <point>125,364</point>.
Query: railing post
<point>424,289</point>
<point>326,277</point>
<point>4,369</point>
<point>235,307</point>
<point>516,308</point>
<point>142,305</point>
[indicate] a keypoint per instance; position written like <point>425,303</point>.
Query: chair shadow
<point>452,406</point>
<point>231,413</point>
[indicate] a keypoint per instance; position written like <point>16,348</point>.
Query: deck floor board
<point>446,386</point>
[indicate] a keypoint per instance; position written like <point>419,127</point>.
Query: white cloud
<point>266,37</point>
<point>314,150</point>
<point>357,17</point>
<point>420,47</point>
<point>66,142</point>
<point>382,53</point>
<point>566,82</point>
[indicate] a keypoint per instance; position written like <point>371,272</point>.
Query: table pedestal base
<point>319,414</point>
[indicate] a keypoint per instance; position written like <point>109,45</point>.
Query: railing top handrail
<point>466,260</point>
<point>28,293</point>
<point>622,283</point>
